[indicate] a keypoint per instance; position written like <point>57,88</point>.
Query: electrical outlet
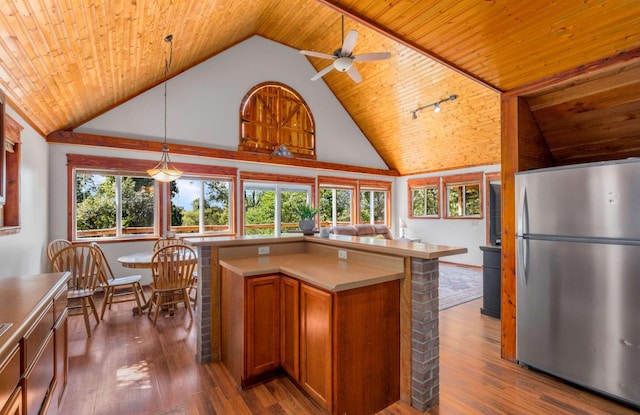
<point>263,250</point>
<point>342,254</point>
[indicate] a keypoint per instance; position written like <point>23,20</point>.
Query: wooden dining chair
<point>84,263</point>
<point>118,289</point>
<point>166,241</point>
<point>172,270</point>
<point>54,246</point>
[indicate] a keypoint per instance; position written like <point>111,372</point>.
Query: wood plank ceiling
<point>64,62</point>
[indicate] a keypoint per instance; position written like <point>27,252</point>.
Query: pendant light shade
<point>164,171</point>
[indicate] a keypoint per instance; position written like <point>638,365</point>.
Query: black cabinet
<point>491,286</point>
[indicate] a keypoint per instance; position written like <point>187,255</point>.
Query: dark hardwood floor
<point>129,367</point>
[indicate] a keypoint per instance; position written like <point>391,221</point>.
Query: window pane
<point>216,208</point>
<point>432,201</point>
<point>186,209</point>
<point>289,200</point>
<point>97,210</point>
<point>455,206</point>
<point>379,207</point>
<point>95,206</point>
<point>418,202</point>
<point>472,200</point>
<point>365,210</point>
<point>259,211</point>
<point>185,206</point>
<point>343,198</point>
<point>138,205</point>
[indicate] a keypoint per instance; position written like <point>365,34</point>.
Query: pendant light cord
<point>167,69</point>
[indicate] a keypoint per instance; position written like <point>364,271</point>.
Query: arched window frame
<point>273,114</point>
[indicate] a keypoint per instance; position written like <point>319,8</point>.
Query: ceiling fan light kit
<point>343,58</point>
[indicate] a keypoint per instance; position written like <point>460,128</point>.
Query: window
<point>463,195</point>
<point>424,195</point>
<point>120,201</point>
<point>272,114</point>
<point>113,206</point>
<point>336,201</point>
<point>374,202</point>
<point>270,202</point>
<point>189,215</point>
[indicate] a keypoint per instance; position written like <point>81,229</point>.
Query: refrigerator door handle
<point>523,247</point>
<point>523,214</point>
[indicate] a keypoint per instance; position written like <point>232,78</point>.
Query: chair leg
<point>158,303</point>
<point>141,291</point>
<point>187,302</point>
<point>94,309</point>
<point>108,297</point>
<point>85,315</point>
<point>136,294</point>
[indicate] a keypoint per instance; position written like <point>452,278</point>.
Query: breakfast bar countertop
<point>326,272</point>
<point>397,247</point>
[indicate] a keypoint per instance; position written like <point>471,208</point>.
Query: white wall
<point>204,102</point>
<point>24,253</point>
<point>468,233</point>
<point>203,105</point>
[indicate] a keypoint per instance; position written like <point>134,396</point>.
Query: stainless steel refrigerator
<point>578,275</point>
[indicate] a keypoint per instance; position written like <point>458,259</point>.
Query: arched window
<point>273,114</point>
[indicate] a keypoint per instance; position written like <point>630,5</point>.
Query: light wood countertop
<point>382,246</point>
<point>322,271</point>
<point>23,299</point>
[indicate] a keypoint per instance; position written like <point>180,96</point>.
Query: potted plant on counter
<point>307,222</point>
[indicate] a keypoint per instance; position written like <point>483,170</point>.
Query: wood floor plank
<point>128,367</point>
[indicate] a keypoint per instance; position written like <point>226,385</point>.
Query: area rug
<point>458,285</point>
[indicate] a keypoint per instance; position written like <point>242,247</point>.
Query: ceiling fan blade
<point>322,73</point>
<point>349,43</point>
<point>367,57</point>
<point>318,54</point>
<point>354,74</point>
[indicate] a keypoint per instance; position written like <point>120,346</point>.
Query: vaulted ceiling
<point>64,62</point>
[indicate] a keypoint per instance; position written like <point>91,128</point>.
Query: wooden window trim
<point>2,149</point>
<point>467,178</point>
<point>124,166</point>
<point>10,207</point>
<point>422,183</point>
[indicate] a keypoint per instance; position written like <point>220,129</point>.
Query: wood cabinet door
<point>289,326</point>
<point>315,343</point>
<point>14,405</point>
<point>262,325</point>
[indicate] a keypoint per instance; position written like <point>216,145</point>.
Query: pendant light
<point>164,171</point>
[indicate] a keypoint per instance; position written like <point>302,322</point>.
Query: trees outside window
<point>335,206</point>
<point>424,196</point>
<point>108,206</point>
<point>189,215</point>
<point>269,208</point>
<point>373,206</point>
<point>463,195</point>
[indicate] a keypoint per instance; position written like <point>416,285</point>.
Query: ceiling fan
<point>344,58</point>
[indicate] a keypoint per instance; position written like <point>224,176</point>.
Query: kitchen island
<point>348,264</point>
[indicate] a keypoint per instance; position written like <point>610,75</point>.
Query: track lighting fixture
<point>435,105</point>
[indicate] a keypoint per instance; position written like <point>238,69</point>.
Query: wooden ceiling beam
<point>125,143</point>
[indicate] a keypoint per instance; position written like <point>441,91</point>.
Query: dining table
<point>142,260</point>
